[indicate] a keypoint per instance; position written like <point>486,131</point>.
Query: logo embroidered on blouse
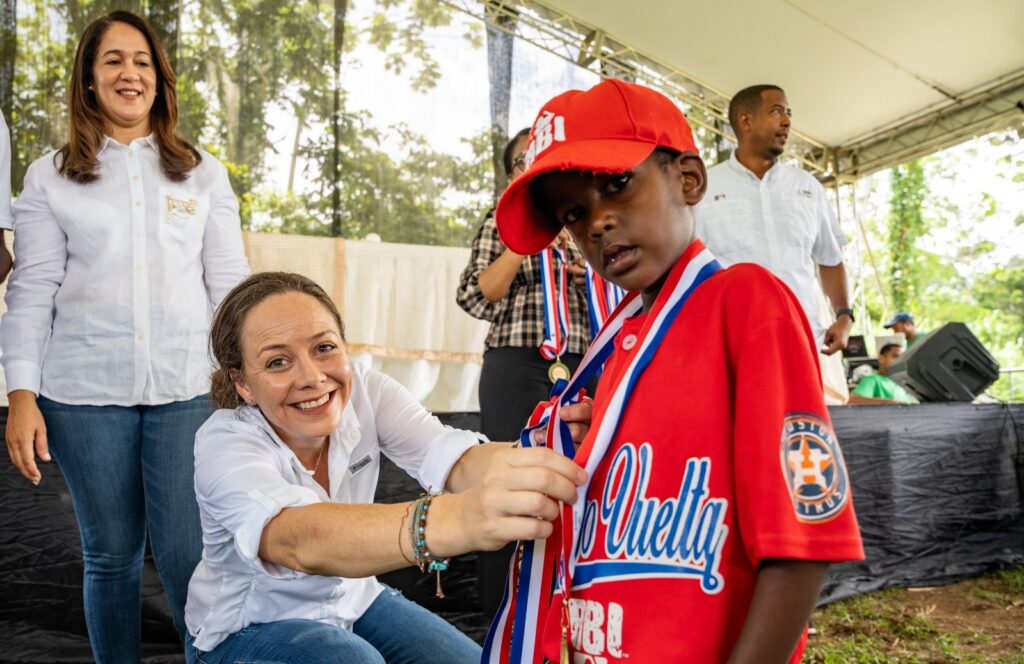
<point>181,208</point>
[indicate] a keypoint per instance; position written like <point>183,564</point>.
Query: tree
<point>165,17</point>
<point>340,11</point>
<point>499,76</point>
<point>8,49</point>
<point>906,228</point>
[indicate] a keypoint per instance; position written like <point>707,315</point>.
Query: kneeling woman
<point>285,478</point>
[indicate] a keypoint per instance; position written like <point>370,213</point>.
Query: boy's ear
<point>695,177</point>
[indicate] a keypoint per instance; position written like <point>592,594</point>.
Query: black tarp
<point>938,492</point>
<point>937,488</point>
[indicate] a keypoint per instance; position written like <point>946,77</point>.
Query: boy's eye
<point>617,183</point>
<point>571,216</point>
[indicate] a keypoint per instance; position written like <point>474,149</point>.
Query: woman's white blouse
<point>115,281</point>
<point>245,475</point>
<point>6,219</point>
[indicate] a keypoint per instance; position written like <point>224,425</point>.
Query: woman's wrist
<point>21,398</point>
<point>444,530</point>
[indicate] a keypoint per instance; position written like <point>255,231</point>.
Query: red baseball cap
<point>610,128</point>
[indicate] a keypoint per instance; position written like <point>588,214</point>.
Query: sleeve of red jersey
<point>793,497</point>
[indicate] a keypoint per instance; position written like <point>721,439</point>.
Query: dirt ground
<point>980,620</point>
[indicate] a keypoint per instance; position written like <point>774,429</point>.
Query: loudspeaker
<point>947,364</point>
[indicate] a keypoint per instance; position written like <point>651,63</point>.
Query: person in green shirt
<point>877,389</point>
<point>903,323</point>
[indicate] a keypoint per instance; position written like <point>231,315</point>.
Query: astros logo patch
<point>813,467</point>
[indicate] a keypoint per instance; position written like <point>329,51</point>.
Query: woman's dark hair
<point>507,156</point>
<point>226,331</point>
<point>77,159</point>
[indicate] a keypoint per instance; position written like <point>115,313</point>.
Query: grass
<point>972,622</point>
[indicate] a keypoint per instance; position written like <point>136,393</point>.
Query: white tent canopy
<point>872,83</point>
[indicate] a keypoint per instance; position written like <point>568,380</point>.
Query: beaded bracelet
<point>418,528</point>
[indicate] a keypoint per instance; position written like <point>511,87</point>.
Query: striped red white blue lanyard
<point>515,633</point>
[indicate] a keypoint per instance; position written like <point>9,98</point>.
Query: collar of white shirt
<point>742,170</point>
<point>109,141</point>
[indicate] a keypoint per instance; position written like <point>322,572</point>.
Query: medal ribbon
<point>518,641</point>
<point>514,635</point>
<point>682,281</point>
<point>602,299</point>
<point>553,281</point>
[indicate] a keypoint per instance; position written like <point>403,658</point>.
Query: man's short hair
<point>747,100</point>
<point>888,347</point>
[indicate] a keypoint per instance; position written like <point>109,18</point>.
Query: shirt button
<point>139,338</point>
<point>138,203</point>
<point>629,342</point>
<point>135,177</point>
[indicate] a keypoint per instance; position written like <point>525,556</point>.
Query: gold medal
<point>566,655</point>
<point>558,370</point>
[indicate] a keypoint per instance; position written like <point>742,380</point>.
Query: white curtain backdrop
<point>398,304</point>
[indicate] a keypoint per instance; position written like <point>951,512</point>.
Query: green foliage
<point>906,227</point>
<point>945,253</point>
<point>397,28</point>
<point>424,197</point>
<point>240,61</point>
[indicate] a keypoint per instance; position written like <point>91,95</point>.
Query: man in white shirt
<point>6,218</point>
<point>758,210</point>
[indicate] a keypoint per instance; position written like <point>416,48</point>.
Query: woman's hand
<point>26,434</point>
<point>517,498</point>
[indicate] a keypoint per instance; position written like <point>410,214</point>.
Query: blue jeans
<point>130,469</point>
<point>393,630</point>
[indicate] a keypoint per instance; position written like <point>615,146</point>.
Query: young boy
<point>718,494</point>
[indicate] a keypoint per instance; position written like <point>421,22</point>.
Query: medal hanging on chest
<point>515,633</point>
<point>554,288</point>
<point>696,266</point>
<point>517,628</point>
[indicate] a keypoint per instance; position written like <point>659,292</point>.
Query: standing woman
<point>128,238</point>
<point>6,219</point>
<point>506,289</point>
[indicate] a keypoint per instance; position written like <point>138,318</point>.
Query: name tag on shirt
<point>359,465</point>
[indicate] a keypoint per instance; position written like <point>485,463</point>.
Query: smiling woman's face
<point>296,368</point>
<point>124,81</point>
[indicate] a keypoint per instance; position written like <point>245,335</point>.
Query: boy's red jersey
<point>724,457</point>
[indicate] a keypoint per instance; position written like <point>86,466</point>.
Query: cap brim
<point>522,227</point>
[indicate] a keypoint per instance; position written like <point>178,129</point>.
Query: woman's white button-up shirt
<point>6,219</point>
<point>245,475</point>
<point>115,281</point>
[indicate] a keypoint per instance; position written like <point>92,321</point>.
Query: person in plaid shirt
<point>505,288</point>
